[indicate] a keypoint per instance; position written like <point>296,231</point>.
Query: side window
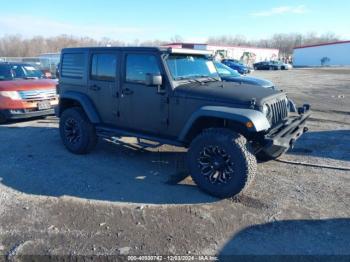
<point>73,65</point>
<point>17,71</point>
<point>139,65</point>
<point>103,67</point>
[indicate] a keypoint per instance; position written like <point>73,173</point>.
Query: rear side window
<point>103,67</point>
<point>73,65</point>
<point>139,65</point>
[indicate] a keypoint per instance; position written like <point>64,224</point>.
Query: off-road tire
<point>86,131</point>
<point>240,153</point>
<point>263,156</point>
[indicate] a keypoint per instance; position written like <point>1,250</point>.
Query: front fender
<point>239,115</point>
<point>84,101</point>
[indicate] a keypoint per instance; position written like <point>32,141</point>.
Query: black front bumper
<point>285,136</point>
<point>22,113</point>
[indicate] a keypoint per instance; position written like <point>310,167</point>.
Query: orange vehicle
<point>25,92</point>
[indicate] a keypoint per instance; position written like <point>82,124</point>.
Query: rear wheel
<point>221,162</point>
<point>77,133</point>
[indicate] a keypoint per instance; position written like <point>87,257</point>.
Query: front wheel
<point>77,133</point>
<point>221,162</point>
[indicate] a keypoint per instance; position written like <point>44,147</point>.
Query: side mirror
<point>154,80</point>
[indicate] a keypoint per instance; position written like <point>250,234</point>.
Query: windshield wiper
<point>210,78</point>
<point>189,79</point>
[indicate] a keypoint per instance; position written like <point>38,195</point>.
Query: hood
<point>250,81</point>
<point>22,85</point>
<point>227,92</point>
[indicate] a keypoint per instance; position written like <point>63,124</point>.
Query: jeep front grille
<point>32,95</point>
<point>279,111</point>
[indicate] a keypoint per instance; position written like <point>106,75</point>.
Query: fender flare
<point>239,115</point>
<point>85,102</point>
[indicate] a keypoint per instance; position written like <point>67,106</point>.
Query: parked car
<point>49,62</point>
<point>176,97</point>
<point>286,66</point>
<point>266,65</point>
<point>271,65</point>
<point>242,69</point>
<point>230,75</point>
<point>25,92</point>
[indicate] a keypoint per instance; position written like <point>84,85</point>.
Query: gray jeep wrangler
<point>176,97</point>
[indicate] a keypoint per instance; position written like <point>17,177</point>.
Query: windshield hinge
<point>253,103</point>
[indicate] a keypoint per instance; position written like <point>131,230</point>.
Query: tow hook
<point>305,108</point>
<point>291,143</point>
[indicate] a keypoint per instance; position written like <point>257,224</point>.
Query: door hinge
<point>165,121</point>
<point>165,100</point>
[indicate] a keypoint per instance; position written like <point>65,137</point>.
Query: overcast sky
<point>194,20</point>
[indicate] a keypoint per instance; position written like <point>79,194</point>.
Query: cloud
<point>29,26</point>
<point>301,9</point>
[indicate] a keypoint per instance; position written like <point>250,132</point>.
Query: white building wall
<point>338,54</point>
<point>236,52</point>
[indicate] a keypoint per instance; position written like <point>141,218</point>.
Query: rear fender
<point>83,101</point>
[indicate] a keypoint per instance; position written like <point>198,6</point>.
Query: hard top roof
<point>169,50</point>
<point>14,63</point>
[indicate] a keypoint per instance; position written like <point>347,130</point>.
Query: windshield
<point>19,71</point>
<point>224,70</point>
<point>191,66</point>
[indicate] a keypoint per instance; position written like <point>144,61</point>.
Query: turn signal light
<point>249,124</point>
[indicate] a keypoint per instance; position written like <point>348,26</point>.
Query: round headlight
<point>267,111</point>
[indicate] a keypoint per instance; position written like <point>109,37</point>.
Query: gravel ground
<point>123,200</point>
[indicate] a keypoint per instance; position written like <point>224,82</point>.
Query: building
<point>248,55</point>
<point>327,54</point>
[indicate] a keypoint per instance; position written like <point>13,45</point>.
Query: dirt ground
<point>123,200</point>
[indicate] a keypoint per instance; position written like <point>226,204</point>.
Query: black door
<point>103,84</point>
<point>141,106</point>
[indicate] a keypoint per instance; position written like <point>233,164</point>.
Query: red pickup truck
<point>25,92</point>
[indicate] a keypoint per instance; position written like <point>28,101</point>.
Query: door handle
<point>127,91</point>
<point>95,87</point>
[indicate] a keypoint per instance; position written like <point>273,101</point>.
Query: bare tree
<point>16,45</point>
<point>176,39</point>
